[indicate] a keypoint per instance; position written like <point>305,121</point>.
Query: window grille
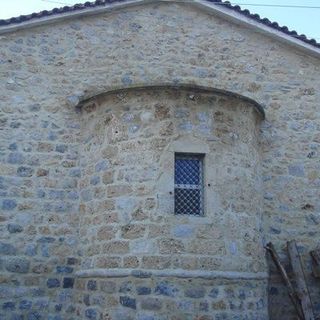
<point>188,184</point>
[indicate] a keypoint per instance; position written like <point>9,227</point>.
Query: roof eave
<point>212,8</point>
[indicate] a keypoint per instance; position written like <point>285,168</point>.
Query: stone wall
<point>47,70</point>
<point>127,218</point>
<point>127,181</point>
<point>39,210</point>
<point>150,298</point>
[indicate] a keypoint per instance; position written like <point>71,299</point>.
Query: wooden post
<point>292,294</point>
<point>302,289</point>
<point>315,254</point>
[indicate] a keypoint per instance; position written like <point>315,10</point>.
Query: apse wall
<point>139,256</point>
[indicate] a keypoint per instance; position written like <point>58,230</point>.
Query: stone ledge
<point>178,273</point>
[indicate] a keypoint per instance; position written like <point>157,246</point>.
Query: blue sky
<point>303,20</point>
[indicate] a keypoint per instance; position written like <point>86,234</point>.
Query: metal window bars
<point>188,184</point>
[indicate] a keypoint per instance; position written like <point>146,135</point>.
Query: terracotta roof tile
<point>82,6</point>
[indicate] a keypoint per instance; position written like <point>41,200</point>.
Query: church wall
<point>46,71</point>
<point>128,221</point>
<point>39,210</point>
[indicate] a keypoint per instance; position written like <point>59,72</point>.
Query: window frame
<point>200,186</point>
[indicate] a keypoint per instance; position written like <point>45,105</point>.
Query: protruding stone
<point>73,100</point>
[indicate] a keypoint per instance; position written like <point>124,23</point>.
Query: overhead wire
<point>227,3</point>
<point>273,5</point>
<point>58,2</point>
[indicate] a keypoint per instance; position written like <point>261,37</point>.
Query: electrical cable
<point>274,5</point>
<point>227,3</point>
<point>58,2</point>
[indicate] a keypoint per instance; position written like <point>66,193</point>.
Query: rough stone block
<point>108,286</point>
<point>17,265</point>
<point>108,262</point>
<point>296,170</point>
<point>25,305</point>
<point>64,269</point>
<point>195,292</point>
<point>126,286</point>
<point>92,285</point>
<point>10,305</point>
<point>118,190</point>
<point>185,305</point>
<point>141,246</point>
<point>68,283</point>
<point>116,247</point>
<point>156,262</point>
<point>108,177</point>
<point>53,283</point>
<point>183,231</point>
<point>169,246</point>
<point>91,314</point>
<point>133,231</point>
<point>130,262</point>
<point>143,290</point>
<point>106,233</point>
<point>166,289</point>
<point>214,293</point>
<point>14,228</point>
<point>25,171</point>
<point>16,158</point>
<point>128,302</point>
<point>72,261</point>
<point>152,304</point>
<point>102,166</point>
<point>8,204</point>
<point>7,249</point>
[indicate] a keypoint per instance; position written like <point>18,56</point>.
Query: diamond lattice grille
<point>188,184</point>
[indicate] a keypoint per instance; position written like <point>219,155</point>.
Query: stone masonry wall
<point>151,298</point>
<point>39,209</point>
<point>127,215</point>
<point>45,71</point>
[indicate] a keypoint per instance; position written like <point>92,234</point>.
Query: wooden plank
<point>302,288</point>
<point>292,294</point>
<point>315,254</point>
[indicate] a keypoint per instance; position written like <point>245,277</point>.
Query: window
<point>188,184</point>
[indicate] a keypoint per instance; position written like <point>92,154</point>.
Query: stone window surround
<point>165,185</point>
